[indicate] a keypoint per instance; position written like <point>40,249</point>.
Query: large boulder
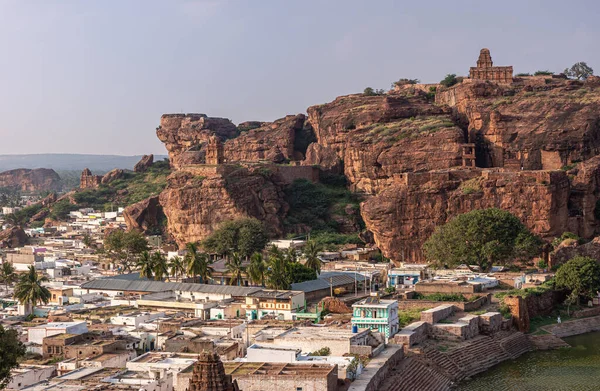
<point>144,163</point>
<point>112,176</point>
<point>13,237</point>
<point>142,216</point>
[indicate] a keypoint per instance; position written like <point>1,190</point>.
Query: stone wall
<point>594,311</point>
<point>574,327</point>
<point>461,305</point>
<point>436,314</point>
<point>382,365</point>
<point>412,334</point>
<point>447,287</point>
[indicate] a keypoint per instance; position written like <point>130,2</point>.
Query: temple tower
<point>209,374</point>
<point>485,69</point>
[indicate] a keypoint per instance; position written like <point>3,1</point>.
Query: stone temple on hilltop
<point>485,69</point>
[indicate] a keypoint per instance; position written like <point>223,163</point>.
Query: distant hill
<point>71,162</point>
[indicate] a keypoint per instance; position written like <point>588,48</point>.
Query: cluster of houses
<point>121,331</point>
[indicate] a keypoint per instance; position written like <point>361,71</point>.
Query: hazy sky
<point>94,76</point>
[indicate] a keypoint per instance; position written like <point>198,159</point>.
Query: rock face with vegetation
<point>34,181</point>
<point>196,205</point>
<point>13,237</point>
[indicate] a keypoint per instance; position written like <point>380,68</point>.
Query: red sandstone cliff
<point>405,153</point>
<point>36,180</point>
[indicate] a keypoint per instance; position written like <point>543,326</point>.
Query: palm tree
<point>197,263</point>
<point>277,271</point>
<point>177,267</point>
<point>311,249</point>
<point>291,254</point>
<point>257,268</point>
<point>29,289</point>
<point>7,274</point>
<point>145,263</point>
<point>159,266</point>
<point>235,268</point>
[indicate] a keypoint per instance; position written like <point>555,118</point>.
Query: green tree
<point>369,91</point>
<point>257,269</point>
<point>197,263</point>
<point>11,351</point>
<point>580,275</point>
<point>291,254</point>
<point>87,241</point>
<point>311,251</point>
<point>160,267</point>
<point>236,269</point>
<point>125,247</point>
<point>145,264</point>
<point>277,270</point>
<point>449,80</point>
<point>243,236</point>
<point>177,267</point>
<point>29,289</point>
<point>579,71</point>
<point>300,273</point>
<point>7,274</point>
<point>481,237</point>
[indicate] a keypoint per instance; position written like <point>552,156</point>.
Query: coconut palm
<point>291,254</point>
<point>145,264</point>
<point>277,271</point>
<point>159,266</point>
<point>7,274</point>
<point>177,267</point>
<point>197,263</point>
<point>29,289</point>
<point>311,249</point>
<point>235,268</point>
<point>257,269</point>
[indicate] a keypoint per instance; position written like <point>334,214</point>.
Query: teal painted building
<point>376,314</point>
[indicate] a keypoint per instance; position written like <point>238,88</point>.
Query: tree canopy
<point>481,237</point>
<point>449,80</point>
<point>243,236</point>
<point>579,71</point>
<point>11,350</point>
<point>125,246</point>
<point>29,289</point>
<point>580,275</point>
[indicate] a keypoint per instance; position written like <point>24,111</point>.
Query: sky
<point>94,76</point>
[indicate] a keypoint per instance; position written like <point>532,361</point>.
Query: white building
<point>27,375</point>
<point>37,334</point>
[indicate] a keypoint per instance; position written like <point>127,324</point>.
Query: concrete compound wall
<point>460,305</point>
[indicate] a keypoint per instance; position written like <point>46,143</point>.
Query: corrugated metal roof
<point>323,281</point>
<point>144,285</point>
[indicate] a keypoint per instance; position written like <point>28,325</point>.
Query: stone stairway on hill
<point>414,375</point>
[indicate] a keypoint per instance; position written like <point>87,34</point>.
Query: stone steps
<point>478,356</point>
<point>516,344</point>
<point>414,375</point>
<point>444,363</point>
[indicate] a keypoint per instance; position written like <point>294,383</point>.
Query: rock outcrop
<point>275,142</point>
<point>142,216</point>
<point>535,143</point>
<point>196,204</point>
<point>112,176</point>
<point>13,237</point>
<point>34,181</point>
<point>184,135</point>
<point>144,163</point>
<point>405,214</point>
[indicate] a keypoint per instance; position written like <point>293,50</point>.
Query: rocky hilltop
<point>528,146</point>
<point>31,181</point>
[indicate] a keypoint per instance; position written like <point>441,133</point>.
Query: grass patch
<point>406,317</point>
<point>444,297</point>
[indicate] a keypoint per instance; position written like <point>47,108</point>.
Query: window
<point>298,388</point>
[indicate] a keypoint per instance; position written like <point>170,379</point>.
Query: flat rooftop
<point>265,368</point>
<point>317,333</point>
